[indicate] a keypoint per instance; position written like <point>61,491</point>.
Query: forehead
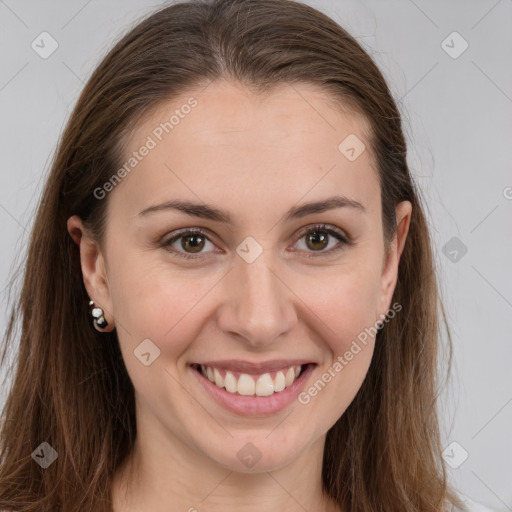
<point>212,142</point>
<point>226,112</point>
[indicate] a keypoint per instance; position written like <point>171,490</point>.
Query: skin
<point>256,157</point>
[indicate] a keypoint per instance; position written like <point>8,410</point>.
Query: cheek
<point>158,301</point>
<point>344,308</point>
<point>167,307</point>
<point>343,301</point>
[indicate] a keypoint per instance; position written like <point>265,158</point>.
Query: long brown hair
<point>70,387</point>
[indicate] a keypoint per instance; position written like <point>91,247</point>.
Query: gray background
<point>457,115</point>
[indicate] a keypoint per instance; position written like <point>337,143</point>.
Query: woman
<point>230,301</point>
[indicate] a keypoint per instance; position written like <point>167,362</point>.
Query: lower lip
<point>255,405</point>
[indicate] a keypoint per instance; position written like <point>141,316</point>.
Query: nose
<point>258,305</point>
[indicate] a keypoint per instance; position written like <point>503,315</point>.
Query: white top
<point>472,506</point>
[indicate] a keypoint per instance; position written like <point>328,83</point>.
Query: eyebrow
<point>205,211</point>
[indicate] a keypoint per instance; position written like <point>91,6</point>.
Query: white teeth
<point>279,382</point>
<point>265,385</point>
<point>290,377</point>
<point>219,379</point>
<point>230,383</point>
<point>246,384</point>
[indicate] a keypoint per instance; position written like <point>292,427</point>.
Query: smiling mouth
<point>265,384</point>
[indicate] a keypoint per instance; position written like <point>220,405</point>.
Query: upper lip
<point>238,365</point>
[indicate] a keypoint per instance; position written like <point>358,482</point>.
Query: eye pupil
<point>316,238</point>
<point>194,246</point>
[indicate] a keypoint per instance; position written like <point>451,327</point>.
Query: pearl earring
<point>98,318</point>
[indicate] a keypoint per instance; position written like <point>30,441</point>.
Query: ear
<point>389,275</point>
<point>93,267</point>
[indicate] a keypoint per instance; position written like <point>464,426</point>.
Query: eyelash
<point>344,241</point>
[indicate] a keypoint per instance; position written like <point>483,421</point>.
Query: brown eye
<point>187,244</point>
<point>193,243</point>
<point>317,240</point>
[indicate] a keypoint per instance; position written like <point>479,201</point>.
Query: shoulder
<point>471,506</point>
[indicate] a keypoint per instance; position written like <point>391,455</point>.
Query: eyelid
<point>166,241</point>
<point>328,229</point>
<point>343,238</point>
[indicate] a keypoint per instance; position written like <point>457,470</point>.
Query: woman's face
<point>254,293</point>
